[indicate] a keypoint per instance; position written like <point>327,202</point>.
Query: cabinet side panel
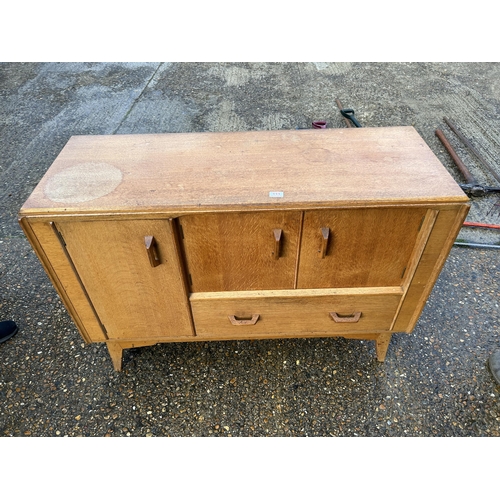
<point>53,258</point>
<point>438,247</point>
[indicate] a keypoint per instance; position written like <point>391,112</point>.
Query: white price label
<point>275,194</point>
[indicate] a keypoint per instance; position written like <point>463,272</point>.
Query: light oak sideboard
<point>244,235</point>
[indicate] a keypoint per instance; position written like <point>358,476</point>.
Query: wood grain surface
<point>227,171</point>
<point>367,247</point>
<point>237,251</point>
<point>133,299</point>
<point>53,256</point>
<point>293,312</point>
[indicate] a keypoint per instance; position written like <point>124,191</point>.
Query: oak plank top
<point>210,171</point>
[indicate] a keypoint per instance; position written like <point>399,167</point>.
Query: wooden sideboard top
<point>184,172</point>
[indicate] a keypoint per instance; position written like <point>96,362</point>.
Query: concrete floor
<point>434,382</point>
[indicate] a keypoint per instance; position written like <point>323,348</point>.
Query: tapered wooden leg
<point>116,352</point>
<point>381,345</point>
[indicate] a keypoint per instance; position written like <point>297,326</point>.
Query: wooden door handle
<point>239,322</point>
<point>353,318</point>
<point>277,242</point>
<point>152,250</point>
<point>325,236</point>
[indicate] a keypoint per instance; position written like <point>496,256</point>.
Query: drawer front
<point>293,312</point>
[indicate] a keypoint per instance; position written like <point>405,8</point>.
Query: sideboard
<point>244,235</point>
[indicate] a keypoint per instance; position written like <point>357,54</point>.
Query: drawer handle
<point>238,322</point>
<point>152,250</point>
<point>325,236</point>
<point>277,242</point>
<point>353,318</point>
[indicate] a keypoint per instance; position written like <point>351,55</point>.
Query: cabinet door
<point>365,247</point>
<point>241,251</point>
<point>134,282</point>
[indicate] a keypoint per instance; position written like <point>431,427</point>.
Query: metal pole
<point>472,148</point>
<point>475,245</point>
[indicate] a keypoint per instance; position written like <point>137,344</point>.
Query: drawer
<point>244,314</point>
